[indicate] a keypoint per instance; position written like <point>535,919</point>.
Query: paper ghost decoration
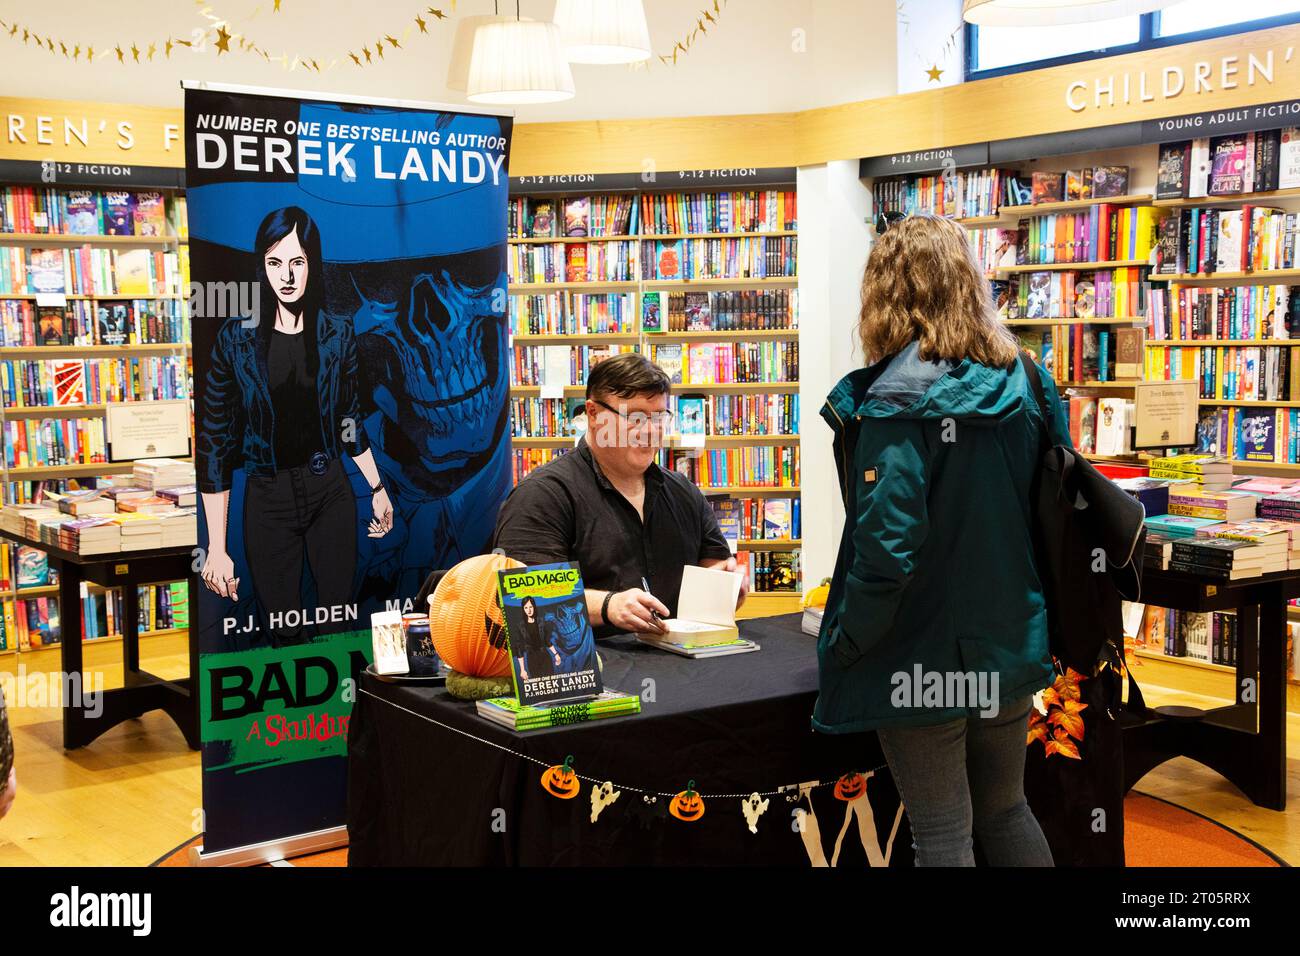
<point>753,807</point>
<point>601,797</point>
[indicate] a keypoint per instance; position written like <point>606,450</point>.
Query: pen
<point>645,586</point>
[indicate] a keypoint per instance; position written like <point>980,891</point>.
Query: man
<point>607,506</point>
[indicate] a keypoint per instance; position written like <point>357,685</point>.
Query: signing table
<point>432,783</point>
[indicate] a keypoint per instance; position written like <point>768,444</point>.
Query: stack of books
<point>719,648</point>
<point>1280,539</point>
<point>139,532</point>
<point>162,473</point>
<point>1211,472</point>
<point>1157,550</point>
<point>183,496</point>
<point>97,534</point>
<point>180,528</point>
<point>83,503</point>
<point>1192,501</point>
<point>812,620</point>
<point>146,505</point>
<point>508,712</point>
<point>1225,558</point>
<point>1177,526</point>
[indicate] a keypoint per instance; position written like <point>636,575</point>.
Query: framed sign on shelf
<point>147,429</point>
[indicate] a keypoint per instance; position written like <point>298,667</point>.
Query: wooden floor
<point>133,795</point>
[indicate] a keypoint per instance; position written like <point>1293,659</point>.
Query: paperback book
<point>552,648</point>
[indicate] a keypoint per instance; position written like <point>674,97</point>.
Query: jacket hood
<point>907,386</point>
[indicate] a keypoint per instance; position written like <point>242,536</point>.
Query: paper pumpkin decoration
<point>687,805</point>
<point>560,780</point>
<point>465,618</point>
<point>850,787</point>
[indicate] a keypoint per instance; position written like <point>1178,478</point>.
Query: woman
<point>537,658</point>
<point>281,403</point>
<point>934,632</point>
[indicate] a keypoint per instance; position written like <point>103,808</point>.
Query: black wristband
<point>604,608</point>
<point>376,489</point>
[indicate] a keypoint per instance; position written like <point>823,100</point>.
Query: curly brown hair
<point>922,283</point>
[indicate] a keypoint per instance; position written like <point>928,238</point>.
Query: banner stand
<point>272,851</point>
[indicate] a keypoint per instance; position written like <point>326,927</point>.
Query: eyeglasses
<point>659,421</point>
<point>887,219</point>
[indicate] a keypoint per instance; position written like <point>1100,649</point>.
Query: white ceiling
<point>761,56</point>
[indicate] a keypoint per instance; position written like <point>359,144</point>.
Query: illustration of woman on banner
<point>281,402</point>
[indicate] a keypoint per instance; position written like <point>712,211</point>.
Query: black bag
<point>1088,536</point>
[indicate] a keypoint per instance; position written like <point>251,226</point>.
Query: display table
<point>432,783</point>
<point>143,691</point>
<point>1244,741</point>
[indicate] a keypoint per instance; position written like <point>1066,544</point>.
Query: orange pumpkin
<point>687,805</point>
<point>850,787</point>
<point>560,780</point>
<point>465,618</point>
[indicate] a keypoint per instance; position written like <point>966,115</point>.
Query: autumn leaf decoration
<point>1063,725</point>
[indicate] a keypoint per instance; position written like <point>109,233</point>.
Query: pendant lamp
<point>518,62</point>
<point>1046,13</point>
<point>603,31</point>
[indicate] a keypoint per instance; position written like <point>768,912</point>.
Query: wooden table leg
<point>1272,705</point>
<point>74,718</point>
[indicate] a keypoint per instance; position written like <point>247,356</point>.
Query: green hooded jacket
<point>935,572</point>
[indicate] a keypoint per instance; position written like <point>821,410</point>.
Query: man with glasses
<point>609,507</point>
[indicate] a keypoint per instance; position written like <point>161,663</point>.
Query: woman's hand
<point>382,522</point>
<point>219,575</point>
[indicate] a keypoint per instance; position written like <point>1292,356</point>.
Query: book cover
<point>577,215</point>
<point>543,220</point>
<point>668,259</point>
<point>1288,167</point>
<point>1228,169</point>
<point>691,418</point>
<point>45,272</point>
<point>1109,182</point>
<point>81,213</point>
<point>575,265</point>
<point>1085,299</point>
<point>653,308</point>
<point>552,649</point>
<point>118,213</point>
<point>150,214</point>
<point>730,520</point>
<point>699,315</point>
<point>1112,426</point>
<point>1039,302</point>
<point>1173,172</point>
<point>52,326</point>
<point>133,268</point>
<point>33,568</point>
<point>1255,435</point>
<point>1130,347</point>
<point>1048,187</point>
<point>776,519</point>
<point>112,323</point>
<point>1078,184</point>
<point>70,382</point>
<point>669,358</point>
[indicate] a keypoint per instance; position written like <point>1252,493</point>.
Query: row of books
<point>757,466</point>
<point>573,313</point>
<point>543,417</point>
<point>1211,636</point>
<point>1099,233</point>
<point>93,271</point>
<point>559,364</point>
<point>89,212</point>
<point>1266,435</point>
<point>712,363</point>
<point>1071,185</point>
<point>31,623</point>
<point>37,443</point>
<point>1101,426</point>
<point>960,194</point>
<point>606,215</point>
<point>1208,241</point>
<point>1258,161</point>
<point>747,210</point>
<point>1066,294</point>
<point>41,383</point>
<point>80,322</point>
<point>573,262</point>
<point>720,311</point>
<point>766,519</point>
<point>1247,373</point>
<point>746,258</point>
<point>1080,353</point>
<point>1255,312</point>
<point>130,519</point>
<point>1224,550</point>
<point>737,414</point>
<point>525,460</point>
<point>772,571</point>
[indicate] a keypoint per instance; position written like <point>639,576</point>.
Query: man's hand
<point>730,565</point>
<point>630,610</point>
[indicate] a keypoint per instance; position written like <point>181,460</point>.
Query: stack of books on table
<point>1281,507</point>
<point>719,648</point>
<point>1157,550</point>
<point>508,712</point>
<point>162,473</point>
<point>83,503</point>
<point>13,518</point>
<point>180,528</point>
<point>140,532</point>
<point>1225,558</point>
<point>1177,526</point>
<point>1209,471</point>
<point>1192,501</point>
<point>812,620</point>
<point>1277,537</point>
<point>182,496</point>
<point>146,505</point>
<point>96,534</point>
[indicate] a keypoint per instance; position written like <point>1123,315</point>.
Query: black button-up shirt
<point>567,510</point>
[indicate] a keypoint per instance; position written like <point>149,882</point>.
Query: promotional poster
<point>348,301</point>
<point>552,648</point>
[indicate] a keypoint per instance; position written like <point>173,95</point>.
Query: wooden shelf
<point>776,544</point>
<point>564,338</point>
<point>1219,278</point>
<point>974,222</point>
<point>743,491</point>
<point>107,639</point>
<point>1190,661</point>
<point>71,471</point>
<point>560,441</point>
<point>1125,384</point>
<point>1136,320</point>
<point>534,391</point>
<point>1227,200</point>
<point>547,240</point>
<point>769,281</point>
<point>710,441</point>
<point>1196,343</point>
<point>64,239</point>
<point>112,297</point>
<point>53,411</point>
<point>731,388</point>
<point>1047,208</point>
<point>535,288</point>
<point>730,335</point>
<point>1246,404</point>
<point>90,351</point>
<point>1073,266</point>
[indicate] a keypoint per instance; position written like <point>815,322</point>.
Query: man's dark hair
<point>626,375</point>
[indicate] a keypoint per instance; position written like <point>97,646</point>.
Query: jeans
<point>967,773</point>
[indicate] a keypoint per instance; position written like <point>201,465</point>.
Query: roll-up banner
<point>348,300</point>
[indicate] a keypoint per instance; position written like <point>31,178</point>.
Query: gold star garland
<point>708,18</point>
<point>219,38</point>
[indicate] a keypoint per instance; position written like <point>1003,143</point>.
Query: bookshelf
<point>92,310</point>
<point>726,239</point>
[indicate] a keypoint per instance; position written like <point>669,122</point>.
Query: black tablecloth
<point>426,793</point>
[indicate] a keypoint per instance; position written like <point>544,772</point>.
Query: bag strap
<point>1036,386</point>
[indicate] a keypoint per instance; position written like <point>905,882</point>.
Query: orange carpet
<point>1156,833</point>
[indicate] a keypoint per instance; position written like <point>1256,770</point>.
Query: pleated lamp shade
<point>462,49</point>
<point>1046,13</point>
<point>603,31</point>
<point>518,62</point>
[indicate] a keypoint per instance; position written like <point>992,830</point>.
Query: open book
<point>706,608</point>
